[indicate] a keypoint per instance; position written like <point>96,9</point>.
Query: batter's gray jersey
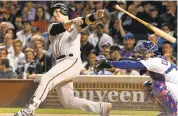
<point>66,43</point>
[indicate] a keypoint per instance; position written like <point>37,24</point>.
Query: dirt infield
<point>61,115</point>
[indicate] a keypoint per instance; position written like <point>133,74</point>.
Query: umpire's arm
<point>57,28</point>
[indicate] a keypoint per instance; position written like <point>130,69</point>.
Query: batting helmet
<point>145,47</point>
<point>64,9</point>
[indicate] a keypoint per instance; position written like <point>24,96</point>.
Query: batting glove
<point>77,21</point>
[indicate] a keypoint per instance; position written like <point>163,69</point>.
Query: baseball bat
<point>153,28</point>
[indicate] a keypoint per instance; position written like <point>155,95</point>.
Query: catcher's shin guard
<point>164,97</point>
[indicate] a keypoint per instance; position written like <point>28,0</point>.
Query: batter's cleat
<point>106,109</point>
<point>24,112</point>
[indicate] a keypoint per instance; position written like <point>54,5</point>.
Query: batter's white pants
<point>62,73</point>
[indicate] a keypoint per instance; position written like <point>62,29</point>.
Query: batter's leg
<point>68,100</point>
<point>66,70</point>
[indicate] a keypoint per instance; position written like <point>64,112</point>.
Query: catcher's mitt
<point>103,64</point>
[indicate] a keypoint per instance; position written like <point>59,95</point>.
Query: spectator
<point>12,32</point>
<point>30,10</point>
<point>106,21</point>
<point>131,25</point>
<point>167,49</point>
<point>18,23</point>
<point>106,50</point>
<point>166,28</point>
<point>40,20</point>
<point>89,67</point>
<point>115,53</point>
<point>25,15</point>
<point>25,35</point>
<point>44,62</point>
<point>86,10</point>
<point>39,39</point>
<point>35,40</point>
<point>86,47</point>
<point>3,27</point>
<point>146,9</point>
<point>18,56</point>
<point>117,32</point>
<point>92,28</point>
<point>138,6</point>
<point>5,72</point>
<point>98,71</point>
<point>8,43</point>
<point>98,5</point>
<point>4,4</point>
<point>78,5</point>
<point>153,17</point>
<point>3,53</point>
<point>35,31</point>
<point>5,15</point>
<point>115,56</point>
<point>117,15</point>
<point>14,12</point>
<point>153,38</point>
<point>171,15</point>
<point>129,41</point>
<point>28,67</point>
<point>91,6</point>
<point>98,38</point>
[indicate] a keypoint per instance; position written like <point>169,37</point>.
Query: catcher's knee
<point>158,89</point>
<point>164,97</point>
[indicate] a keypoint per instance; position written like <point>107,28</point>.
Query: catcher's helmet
<point>64,9</point>
<point>145,47</point>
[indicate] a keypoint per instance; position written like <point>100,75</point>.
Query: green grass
<point>76,111</point>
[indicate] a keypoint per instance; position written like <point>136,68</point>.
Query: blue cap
<point>129,35</point>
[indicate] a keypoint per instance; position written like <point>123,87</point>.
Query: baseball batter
<point>65,40</point>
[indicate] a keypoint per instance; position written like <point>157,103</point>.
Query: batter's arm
<point>91,18</point>
<point>57,28</point>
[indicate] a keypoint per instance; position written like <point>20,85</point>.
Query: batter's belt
<point>63,56</point>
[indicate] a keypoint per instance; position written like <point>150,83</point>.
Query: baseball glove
<point>103,64</point>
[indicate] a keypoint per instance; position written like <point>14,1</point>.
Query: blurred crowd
<point>25,50</point>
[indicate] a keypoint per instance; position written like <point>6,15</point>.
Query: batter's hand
<point>99,14</point>
<point>77,21</point>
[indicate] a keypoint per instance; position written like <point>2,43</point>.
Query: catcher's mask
<point>147,86</point>
<point>64,9</point>
<point>145,47</point>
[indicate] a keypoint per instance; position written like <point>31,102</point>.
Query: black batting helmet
<point>64,9</point>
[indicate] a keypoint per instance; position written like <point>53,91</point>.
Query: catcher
<point>163,89</point>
